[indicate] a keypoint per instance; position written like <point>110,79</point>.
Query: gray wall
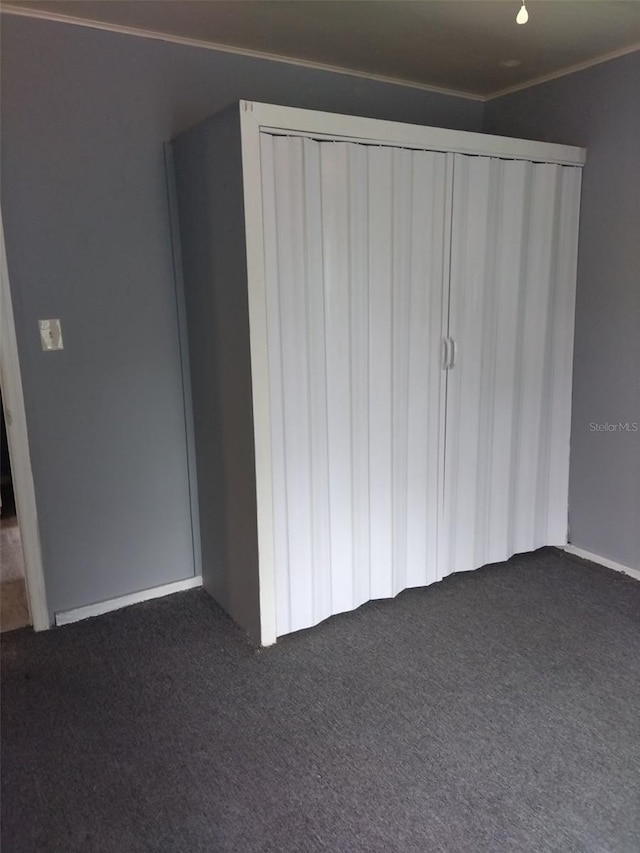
<point>210,193</point>
<point>85,113</point>
<point>599,108</point>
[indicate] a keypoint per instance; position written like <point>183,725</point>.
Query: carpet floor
<point>14,607</point>
<point>495,711</point>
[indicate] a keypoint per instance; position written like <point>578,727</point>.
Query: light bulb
<point>523,16</point>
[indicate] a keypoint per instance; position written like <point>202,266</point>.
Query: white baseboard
<point>67,616</point>
<point>603,561</point>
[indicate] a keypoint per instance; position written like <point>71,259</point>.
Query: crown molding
<point>41,14</point>
<point>572,69</point>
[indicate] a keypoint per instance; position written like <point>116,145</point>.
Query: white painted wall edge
<point>65,617</point>
<point>603,561</point>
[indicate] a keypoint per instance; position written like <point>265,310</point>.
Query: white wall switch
<point>50,334</point>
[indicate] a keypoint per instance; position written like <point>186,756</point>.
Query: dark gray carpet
<point>495,711</point>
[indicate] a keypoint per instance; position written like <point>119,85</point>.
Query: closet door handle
<point>445,353</point>
<point>449,351</point>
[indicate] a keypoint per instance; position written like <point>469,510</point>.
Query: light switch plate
<point>50,334</point>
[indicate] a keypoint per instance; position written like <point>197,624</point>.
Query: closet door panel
<point>406,213</point>
<point>509,393</point>
<point>553,514</point>
<point>354,259</point>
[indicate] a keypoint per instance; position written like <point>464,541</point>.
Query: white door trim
<point>17,437</point>
<point>335,126</point>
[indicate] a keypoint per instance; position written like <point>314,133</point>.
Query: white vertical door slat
<point>380,179</point>
<point>513,177</point>
<point>562,328</point>
<point>487,328</point>
<point>276,391</point>
<point>359,317</point>
<point>540,246</point>
<point>425,376</point>
<point>335,236</point>
<point>317,378</point>
<point>468,310</point>
<point>290,208</point>
<point>402,192</point>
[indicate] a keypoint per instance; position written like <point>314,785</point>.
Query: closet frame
<point>252,119</point>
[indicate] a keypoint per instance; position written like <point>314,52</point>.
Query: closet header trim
<point>280,120</point>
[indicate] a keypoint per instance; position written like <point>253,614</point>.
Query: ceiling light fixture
<point>523,16</point>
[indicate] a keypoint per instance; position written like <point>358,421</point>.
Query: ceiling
<point>471,47</point>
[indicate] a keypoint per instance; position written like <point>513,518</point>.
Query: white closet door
<point>513,251</point>
<point>354,249</point>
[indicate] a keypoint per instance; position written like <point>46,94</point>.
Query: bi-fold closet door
<point>390,468</point>
<point>355,247</point>
<point>514,239</point>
